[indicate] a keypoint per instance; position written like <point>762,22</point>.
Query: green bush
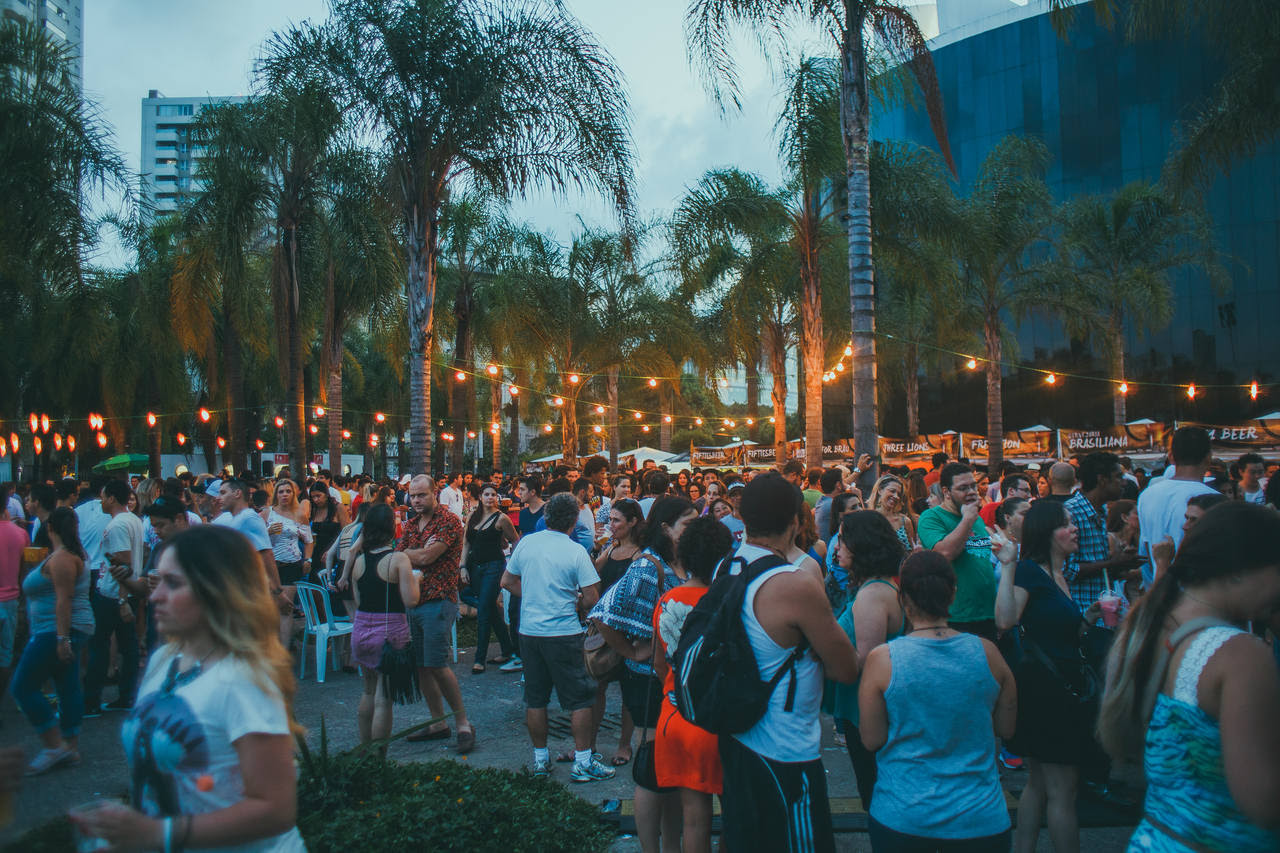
<point>55,836</point>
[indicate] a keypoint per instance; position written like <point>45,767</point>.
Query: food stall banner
<point>1254,435</point>
<point>1026,443</point>
<point>917,448</point>
<point>1123,439</point>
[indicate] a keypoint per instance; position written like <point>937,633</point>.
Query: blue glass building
<point>1108,111</point>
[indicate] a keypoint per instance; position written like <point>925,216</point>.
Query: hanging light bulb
<point>259,443</point>
<point>666,419</point>
<point>314,429</point>
<point>697,421</point>
<point>653,383</point>
<point>4,450</point>
<point>513,391</point>
<point>95,421</point>
<point>71,443</point>
<point>637,415</point>
<point>599,410</point>
<point>1124,388</point>
<point>373,439</point>
<point>972,364</point>
<point>57,441</point>
<point>1253,390</point>
<point>750,422</point>
<point>151,419</point>
<point>44,423</point>
<point>37,445</point>
<point>597,428</point>
<point>546,427</point>
<point>222,442</point>
<point>1052,379</point>
<point>319,411</point>
<point>204,415</point>
<point>558,401</point>
<point>732,424</point>
<point>346,434</point>
<point>645,427</point>
<point>492,370</point>
<point>574,379</point>
<point>447,436</point>
<point>102,439</point>
<point>34,421</point>
<point>848,351</point>
<point>279,422</point>
<point>724,382</point>
<point>471,433</point>
<point>1191,391</point>
<point>181,437</point>
<point>460,376</point>
<point>494,427</point>
<point>13,442</point>
<point>840,367</point>
<point>773,420</point>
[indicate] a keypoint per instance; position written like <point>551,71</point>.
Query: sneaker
<point>542,769</point>
<point>118,705</point>
<point>1009,761</point>
<point>591,771</point>
<point>47,759</point>
<point>94,710</point>
<point>513,665</point>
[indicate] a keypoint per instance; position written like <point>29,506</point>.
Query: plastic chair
<point>317,607</point>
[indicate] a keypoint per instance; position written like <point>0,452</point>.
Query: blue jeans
<point>107,621</point>
<point>484,583</point>
<point>39,662</point>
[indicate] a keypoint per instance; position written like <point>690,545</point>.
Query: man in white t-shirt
<point>1162,507</point>
<point>557,584</point>
<point>451,496</point>
<point>118,577</point>
<point>233,497</point>
<point>1252,469</point>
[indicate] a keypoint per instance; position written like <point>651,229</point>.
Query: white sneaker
<point>47,759</point>
<point>513,665</point>
<point>542,768</point>
<point>591,771</point>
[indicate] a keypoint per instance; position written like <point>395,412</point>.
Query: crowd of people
<point>950,621</point>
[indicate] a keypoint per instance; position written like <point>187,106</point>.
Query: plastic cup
<point>87,843</point>
<point>1110,604</point>
<point>32,555</point>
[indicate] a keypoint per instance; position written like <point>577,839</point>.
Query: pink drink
<point>1110,604</point>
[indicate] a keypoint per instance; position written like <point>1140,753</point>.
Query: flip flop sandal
<point>498,660</point>
<point>477,669</point>
<point>466,740</point>
<point>427,734</point>
<point>565,758</point>
<point>619,761</point>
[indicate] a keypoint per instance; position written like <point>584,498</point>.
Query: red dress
<point>684,755</point>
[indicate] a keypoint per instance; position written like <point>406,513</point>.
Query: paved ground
<point>494,702</point>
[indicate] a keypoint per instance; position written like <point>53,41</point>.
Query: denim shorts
<point>556,662</point>
<point>431,631</point>
<point>8,627</point>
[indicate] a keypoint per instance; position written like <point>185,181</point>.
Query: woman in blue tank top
<point>932,704</point>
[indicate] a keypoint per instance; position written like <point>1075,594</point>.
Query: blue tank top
<point>937,771</point>
<point>42,599</point>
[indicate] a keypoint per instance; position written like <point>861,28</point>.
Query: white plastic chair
<point>321,624</point>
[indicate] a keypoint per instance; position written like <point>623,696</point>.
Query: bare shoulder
<point>879,666</point>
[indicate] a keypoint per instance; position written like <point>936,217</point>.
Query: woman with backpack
<point>624,616</point>
<point>932,703</point>
<point>685,756</point>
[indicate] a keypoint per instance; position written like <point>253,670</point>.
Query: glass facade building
<point>1108,111</point>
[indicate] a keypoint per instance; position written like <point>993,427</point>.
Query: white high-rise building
<point>169,158</point>
<point>63,19</point>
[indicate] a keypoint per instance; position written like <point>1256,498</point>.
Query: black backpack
<point>717,679</point>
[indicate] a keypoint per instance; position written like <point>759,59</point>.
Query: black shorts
<point>642,694</point>
<point>773,806</point>
<point>556,662</point>
<point>290,573</point>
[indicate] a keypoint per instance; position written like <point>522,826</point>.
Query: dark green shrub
<point>55,836</point>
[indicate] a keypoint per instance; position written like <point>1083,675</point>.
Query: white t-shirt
<point>250,524</point>
<point>587,519</point>
<point>93,523</point>
<point>15,508</point>
<point>451,499</point>
<point>1162,509</point>
<point>1258,497</point>
<point>552,568</point>
<point>646,504</point>
<point>123,533</point>
<point>180,744</point>
<point>149,532</point>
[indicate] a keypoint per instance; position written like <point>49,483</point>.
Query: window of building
<point>166,144</point>
<point>173,110</point>
<point>166,179</point>
<point>166,161</point>
<point>56,30</point>
<point>54,10</point>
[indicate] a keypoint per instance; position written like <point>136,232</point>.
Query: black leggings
<point>885,840</point>
<point>863,761</point>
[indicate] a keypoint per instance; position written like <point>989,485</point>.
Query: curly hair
<point>703,545</point>
<point>877,551</point>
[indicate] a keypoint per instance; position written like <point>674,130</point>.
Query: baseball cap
<point>737,485</point>
<point>404,481</point>
<point>213,488</point>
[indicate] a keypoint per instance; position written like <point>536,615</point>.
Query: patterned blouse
<point>628,605</point>
<point>439,579</point>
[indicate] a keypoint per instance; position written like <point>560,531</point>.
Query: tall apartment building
<point>63,19</point>
<point>169,159</point>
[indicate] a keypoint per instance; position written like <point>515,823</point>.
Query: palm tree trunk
<point>420,244</point>
<point>1119,408</point>
<point>995,398</point>
<point>333,395</point>
<point>569,421</point>
<point>855,130</point>
<point>290,337</point>
<point>753,384</point>
<point>615,438</point>
<point>913,391</point>
<point>778,367</point>
<point>207,447</point>
<point>665,427</point>
<point>812,352</point>
<point>154,439</point>
<point>461,362</point>
<point>233,370</point>
<point>515,424</point>
<point>495,425</point>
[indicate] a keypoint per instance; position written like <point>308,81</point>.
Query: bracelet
<point>62,639</point>
<point>186,833</point>
<point>168,835</point>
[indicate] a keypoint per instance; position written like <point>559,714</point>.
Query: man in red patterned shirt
<point>432,541</point>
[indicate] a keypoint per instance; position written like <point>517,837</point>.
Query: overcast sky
<point>199,47</point>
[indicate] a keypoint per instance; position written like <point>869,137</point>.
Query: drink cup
<point>32,555</point>
<point>87,843</point>
<point>1110,604</point>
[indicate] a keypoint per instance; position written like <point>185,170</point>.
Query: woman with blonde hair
<point>888,497</point>
<point>1197,696</point>
<point>289,525</point>
<point>210,739</point>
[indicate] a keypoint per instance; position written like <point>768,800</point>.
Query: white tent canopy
<point>640,454</point>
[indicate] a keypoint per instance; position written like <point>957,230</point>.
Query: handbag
<point>602,660</point>
<point>1079,684</point>
<point>644,769</point>
<point>398,668</point>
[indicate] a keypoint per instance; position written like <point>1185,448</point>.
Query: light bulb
<point>460,376</point>
<point>653,383</point>
<point>380,417</point>
<point>492,369</point>
<point>599,410</point>
<point>44,423</point>
<point>1051,379</point>
<point>1191,391</point>
<point>222,442</point>
<point>34,421</point>
<point>697,421</point>
<point>666,419</point>
<point>574,379</point>
<point>513,391</point>
<point>637,415</point>
<point>848,351</point>
<point>279,422</point>
<point>546,427</point>
<point>102,439</point>
<point>972,364</point>
<point>319,411</point>
<point>597,428</point>
<point>1124,387</point>
<point>259,443</point>
<point>1253,390</point>
<point>346,433</point>
<point>314,429</point>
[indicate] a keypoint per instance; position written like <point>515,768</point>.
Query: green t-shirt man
<point>975,577</point>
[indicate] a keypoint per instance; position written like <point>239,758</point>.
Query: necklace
<point>1195,598</point>
<point>938,628</point>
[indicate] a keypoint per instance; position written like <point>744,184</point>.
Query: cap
<point>213,488</point>
<point>404,481</point>
<point>1034,466</point>
<point>737,485</point>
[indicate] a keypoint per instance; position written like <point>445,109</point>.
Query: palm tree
<point>1004,216</point>
<point>507,97</point>
<point>1116,255</point>
<point>711,26</point>
<point>730,238</point>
